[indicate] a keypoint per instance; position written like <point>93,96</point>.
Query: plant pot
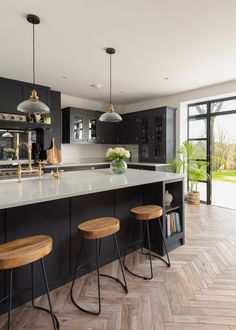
<point>193,198</point>
<point>118,166</point>
<point>47,120</point>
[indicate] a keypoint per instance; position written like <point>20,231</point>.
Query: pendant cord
<point>110,79</point>
<point>33,55</point>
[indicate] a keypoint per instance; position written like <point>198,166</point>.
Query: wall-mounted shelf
<point>13,124</point>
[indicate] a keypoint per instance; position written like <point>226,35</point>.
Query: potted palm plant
<point>187,162</point>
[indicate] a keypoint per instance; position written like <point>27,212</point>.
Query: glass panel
<point>201,149</point>
<point>202,188</point>
<point>8,144</point>
<point>92,129</point>
<point>223,106</point>
<point>223,138</point>
<point>197,128</point>
<point>199,109</point>
<point>158,137</point>
<point>145,130</point>
<point>78,129</point>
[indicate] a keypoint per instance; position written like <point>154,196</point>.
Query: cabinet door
<point>92,128</point>
<point>78,124</point>
<point>108,132</point>
<point>10,95</point>
<point>145,147</point>
<point>158,136</point>
<point>129,129</point>
<point>54,129</point>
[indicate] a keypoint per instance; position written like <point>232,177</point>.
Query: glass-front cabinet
<point>157,135</point>
<point>79,125</point>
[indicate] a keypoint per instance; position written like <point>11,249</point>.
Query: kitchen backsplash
<point>75,152</point>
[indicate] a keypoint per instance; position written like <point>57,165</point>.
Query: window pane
<point>223,106</point>
<point>197,128</point>
<point>199,109</point>
<point>201,149</point>
<point>202,188</point>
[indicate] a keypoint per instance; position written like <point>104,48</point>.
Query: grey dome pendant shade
<point>33,105</point>
<point>110,115</point>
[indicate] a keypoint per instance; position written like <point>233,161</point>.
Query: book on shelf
<point>173,225</point>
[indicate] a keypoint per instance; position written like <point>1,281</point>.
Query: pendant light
<point>7,135</point>
<point>33,105</point>
<point>110,115</point>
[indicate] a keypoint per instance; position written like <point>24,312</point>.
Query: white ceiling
<point>192,42</point>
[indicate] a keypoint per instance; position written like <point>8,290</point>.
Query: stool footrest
<point>158,257</point>
<point>117,280</point>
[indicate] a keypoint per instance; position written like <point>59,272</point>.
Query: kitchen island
<point>55,207</point>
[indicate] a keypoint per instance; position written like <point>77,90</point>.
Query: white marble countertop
<point>74,183</point>
<point>93,163</point>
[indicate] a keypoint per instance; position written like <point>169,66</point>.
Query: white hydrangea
<point>118,152</point>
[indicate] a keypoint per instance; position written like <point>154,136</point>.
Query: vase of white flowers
<point>118,156</point>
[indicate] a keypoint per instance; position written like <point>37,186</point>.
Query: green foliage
<point>187,163</point>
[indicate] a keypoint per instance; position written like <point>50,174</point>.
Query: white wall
<point>72,101</point>
<point>181,100</point>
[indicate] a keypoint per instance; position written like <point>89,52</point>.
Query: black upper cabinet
<point>108,133</point>
<point>157,135</point>
<point>129,128</point>
<point>55,128</point>
<point>79,125</point>
<point>12,92</point>
<point>10,95</point>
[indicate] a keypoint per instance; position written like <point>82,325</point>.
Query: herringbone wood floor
<point>197,292</point>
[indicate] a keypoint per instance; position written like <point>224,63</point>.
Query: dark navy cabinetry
<point>12,92</point>
<point>153,130</point>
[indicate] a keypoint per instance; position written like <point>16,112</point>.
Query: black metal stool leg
<point>10,301</point>
<point>78,267</point>
<point>129,240</point>
<point>149,246</point>
<point>33,297</point>
<point>55,324</point>
<point>98,249</point>
<point>163,240</point>
<point>149,251</point>
<point>167,255</point>
<point>121,266</point>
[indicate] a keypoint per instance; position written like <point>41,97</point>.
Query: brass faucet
<point>30,169</point>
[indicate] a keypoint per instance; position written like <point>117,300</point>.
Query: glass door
<point>211,128</point>
<point>198,135</point>
<point>223,160</point>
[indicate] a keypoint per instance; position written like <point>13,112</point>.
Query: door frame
<point>208,116</point>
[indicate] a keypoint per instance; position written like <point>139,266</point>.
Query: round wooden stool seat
<point>98,228</point>
<point>147,212</point>
<point>24,251</point>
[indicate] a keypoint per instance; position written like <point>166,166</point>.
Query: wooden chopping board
<point>53,154</point>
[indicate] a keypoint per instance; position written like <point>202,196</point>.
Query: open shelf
<point>13,124</point>
<point>171,208</point>
<point>174,237</point>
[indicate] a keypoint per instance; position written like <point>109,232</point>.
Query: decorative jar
<point>168,198</point>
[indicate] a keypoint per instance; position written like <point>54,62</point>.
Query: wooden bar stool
<point>21,252</point>
<point>97,229</point>
<point>145,213</point>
